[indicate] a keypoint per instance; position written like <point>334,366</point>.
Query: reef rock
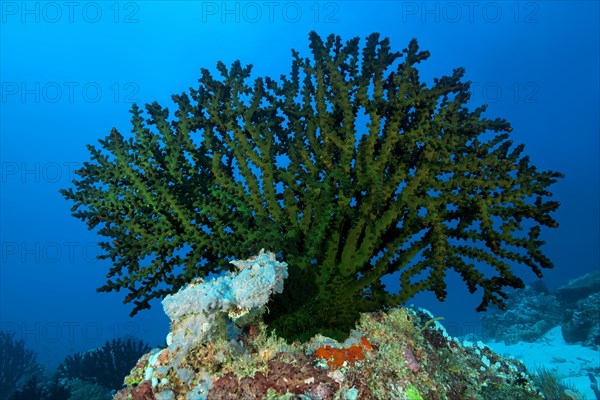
<point>579,288</point>
<point>530,313</point>
<point>398,353</point>
<point>581,323</point>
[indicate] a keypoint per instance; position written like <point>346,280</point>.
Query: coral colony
<point>350,168</point>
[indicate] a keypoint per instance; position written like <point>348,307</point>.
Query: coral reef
<point>350,165</point>
<point>53,389</point>
<point>534,310</point>
<point>143,391</point>
<point>553,387</point>
<point>17,365</point>
<point>57,389</point>
<point>581,323</point>
<point>240,296</point>
<point>580,302</point>
<point>205,313</point>
<point>28,391</point>
<point>397,353</point>
<point>400,356</point>
<point>579,288</point>
<point>105,366</point>
<point>93,375</point>
<point>84,390</point>
<point>529,314</point>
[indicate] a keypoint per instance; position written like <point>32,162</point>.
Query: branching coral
<point>17,364</point>
<point>351,166</point>
<point>106,366</point>
<point>29,391</point>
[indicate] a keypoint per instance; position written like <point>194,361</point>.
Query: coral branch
<point>351,166</point>
<point>17,364</point>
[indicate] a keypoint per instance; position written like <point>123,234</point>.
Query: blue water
<point>71,71</point>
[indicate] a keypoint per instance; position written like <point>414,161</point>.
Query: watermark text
<point>52,12</point>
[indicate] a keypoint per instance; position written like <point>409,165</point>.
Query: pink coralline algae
<point>411,361</point>
<point>141,392</point>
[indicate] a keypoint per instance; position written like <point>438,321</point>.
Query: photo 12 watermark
<point>71,12</point>
<point>68,92</point>
<point>24,172</point>
<point>253,12</point>
<point>526,92</point>
<point>68,332</point>
<point>37,252</point>
<point>524,12</point>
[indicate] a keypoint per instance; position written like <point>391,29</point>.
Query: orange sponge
<point>336,357</point>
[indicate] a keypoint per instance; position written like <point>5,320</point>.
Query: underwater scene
<point>316,200</point>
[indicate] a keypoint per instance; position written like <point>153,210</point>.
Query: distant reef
<point>531,312</point>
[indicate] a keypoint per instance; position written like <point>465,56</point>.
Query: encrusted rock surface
<point>398,354</point>
<point>219,348</point>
